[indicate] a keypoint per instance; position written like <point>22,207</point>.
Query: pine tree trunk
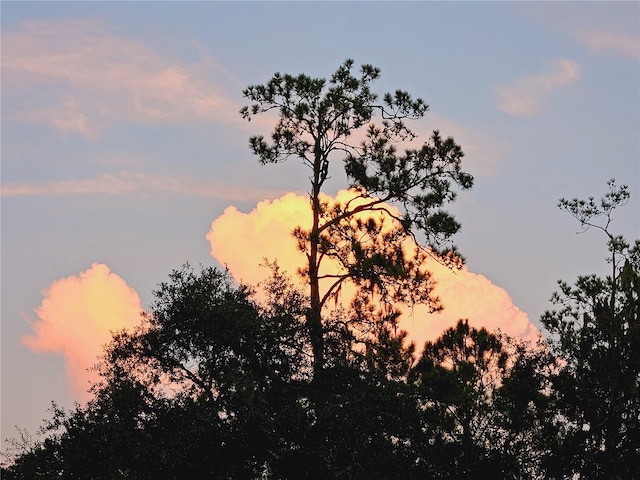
<point>314,314</point>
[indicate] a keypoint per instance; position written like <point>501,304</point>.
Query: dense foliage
<point>215,385</point>
<point>596,332</point>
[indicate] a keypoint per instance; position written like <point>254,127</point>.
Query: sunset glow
<point>242,240</point>
<point>76,319</point>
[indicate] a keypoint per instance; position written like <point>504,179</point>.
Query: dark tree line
<point>215,384</point>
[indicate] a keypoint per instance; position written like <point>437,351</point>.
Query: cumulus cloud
<point>136,183</point>
<point>241,241</point>
<point>529,94</point>
<point>465,294</point>
<point>76,318</point>
<point>94,78</point>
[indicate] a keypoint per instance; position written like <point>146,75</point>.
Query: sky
<point>124,156</point>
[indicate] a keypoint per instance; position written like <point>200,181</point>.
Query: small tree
<point>316,121</point>
<point>596,332</point>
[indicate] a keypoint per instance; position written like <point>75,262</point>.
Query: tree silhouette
<point>596,333</point>
<point>480,397</point>
<point>214,383</point>
<point>317,120</point>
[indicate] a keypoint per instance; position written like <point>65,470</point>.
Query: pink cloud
<point>528,95</point>
<point>137,183</point>
<point>95,78</point>
<point>241,241</point>
<point>76,318</point>
<point>611,41</point>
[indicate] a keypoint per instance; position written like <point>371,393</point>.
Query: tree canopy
<point>213,384</point>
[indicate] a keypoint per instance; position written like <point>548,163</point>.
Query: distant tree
<point>596,333</point>
<point>482,401</point>
<point>523,410</point>
<point>317,120</point>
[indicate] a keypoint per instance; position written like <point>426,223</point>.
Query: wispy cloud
<point>139,184</point>
<point>94,78</point>
<point>68,119</point>
<point>528,95</point>
<point>600,41</point>
<point>604,27</point>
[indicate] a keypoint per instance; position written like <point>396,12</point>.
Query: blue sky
<point>121,141</point>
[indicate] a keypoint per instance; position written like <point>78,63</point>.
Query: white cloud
<point>93,78</point>
<point>137,183</point>
<point>529,94</point>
